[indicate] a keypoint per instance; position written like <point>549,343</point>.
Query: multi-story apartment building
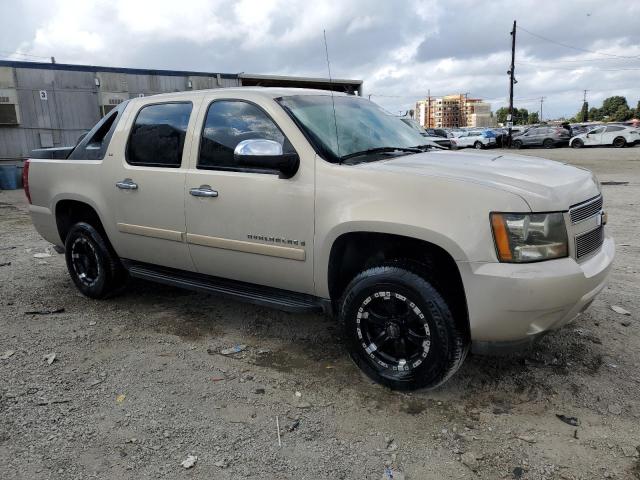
<point>453,111</point>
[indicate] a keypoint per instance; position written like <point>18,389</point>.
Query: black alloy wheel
<point>399,329</point>
<point>92,264</point>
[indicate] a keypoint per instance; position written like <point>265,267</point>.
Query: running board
<point>247,292</point>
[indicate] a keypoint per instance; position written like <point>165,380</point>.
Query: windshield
<point>359,126</point>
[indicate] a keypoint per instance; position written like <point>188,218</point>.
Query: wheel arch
<point>69,211</point>
<point>354,251</point>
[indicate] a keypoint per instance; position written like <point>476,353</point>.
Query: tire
<point>93,266</point>
<point>548,143</point>
<point>416,323</point>
<point>577,143</point>
<point>619,142</point>
<point>478,146</point>
<point>517,144</point>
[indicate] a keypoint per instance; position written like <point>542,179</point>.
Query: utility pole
<point>584,102</point>
<point>429,108</point>
<point>464,110</point>
<point>541,102</point>
<point>512,78</point>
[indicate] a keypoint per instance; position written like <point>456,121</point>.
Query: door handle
<point>203,191</point>
<point>127,184</point>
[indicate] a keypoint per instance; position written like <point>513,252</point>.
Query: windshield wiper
<point>380,150</point>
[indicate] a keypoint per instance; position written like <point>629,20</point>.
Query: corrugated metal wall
<point>75,100</point>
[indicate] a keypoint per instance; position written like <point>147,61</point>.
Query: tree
<point>501,114</point>
<point>595,114</point>
<point>611,105</point>
<point>533,118</point>
<point>637,114</point>
<point>520,115</point>
<point>583,115</point>
<point>622,114</point>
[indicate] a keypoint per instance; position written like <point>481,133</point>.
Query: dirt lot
<point>138,384</point>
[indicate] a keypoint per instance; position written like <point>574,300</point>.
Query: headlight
<point>529,237</point>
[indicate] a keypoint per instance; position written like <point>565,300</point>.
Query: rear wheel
<point>548,143</point>
<point>478,146</point>
<point>399,330</point>
<point>517,144</point>
<point>577,143</point>
<point>619,142</point>
<point>93,266</point>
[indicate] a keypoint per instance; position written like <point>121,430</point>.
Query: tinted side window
<point>229,122</point>
<point>157,135</point>
<point>614,129</point>
<point>93,145</point>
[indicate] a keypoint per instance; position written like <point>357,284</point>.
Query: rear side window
<point>614,129</point>
<point>229,122</point>
<point>157,135</point>
<point>93,145</point>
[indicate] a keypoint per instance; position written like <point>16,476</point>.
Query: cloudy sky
<point>401,49</point>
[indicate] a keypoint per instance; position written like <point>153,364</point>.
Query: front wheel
<point>93,266</point>
<point>548,143</point>
<point>399,330</point>
<point>577,143</point>
<point>517,144</point>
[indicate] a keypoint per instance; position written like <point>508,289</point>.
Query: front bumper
<point>510,305</point>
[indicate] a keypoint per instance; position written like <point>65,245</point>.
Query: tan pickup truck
<point>307,201</point>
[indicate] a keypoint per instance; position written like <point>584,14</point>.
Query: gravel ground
<point>138,382</point>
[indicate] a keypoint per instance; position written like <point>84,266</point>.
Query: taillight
<point>25,180</point>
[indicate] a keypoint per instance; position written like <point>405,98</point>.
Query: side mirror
<point>587,135</point>
<point>266,154</point>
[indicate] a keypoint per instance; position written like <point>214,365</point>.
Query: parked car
<point>616,135</point>
<point>252,193</point>
<point>437,132</point>
<point>547,137</point>
<point>428,135</point>
<point>474,138</point>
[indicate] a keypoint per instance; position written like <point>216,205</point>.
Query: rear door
<point>611,132</point>
<point>256,227</point>
<point>146,182</point>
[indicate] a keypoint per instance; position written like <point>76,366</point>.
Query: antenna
<point>333,103</point>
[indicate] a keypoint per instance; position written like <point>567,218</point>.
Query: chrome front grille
<point>590,241</point>
<point>585,210</point>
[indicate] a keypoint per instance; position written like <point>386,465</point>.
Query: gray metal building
<point>46,105</point>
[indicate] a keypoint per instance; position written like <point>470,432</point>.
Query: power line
<point>4,52</point>
<point>549,67</point>
<point>575,48</point>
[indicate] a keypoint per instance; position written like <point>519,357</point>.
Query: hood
<point>544,184</point>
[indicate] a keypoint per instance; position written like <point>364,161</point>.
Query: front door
<point>594,137</point>
<point>243,223</point>
<point>146,184</point>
